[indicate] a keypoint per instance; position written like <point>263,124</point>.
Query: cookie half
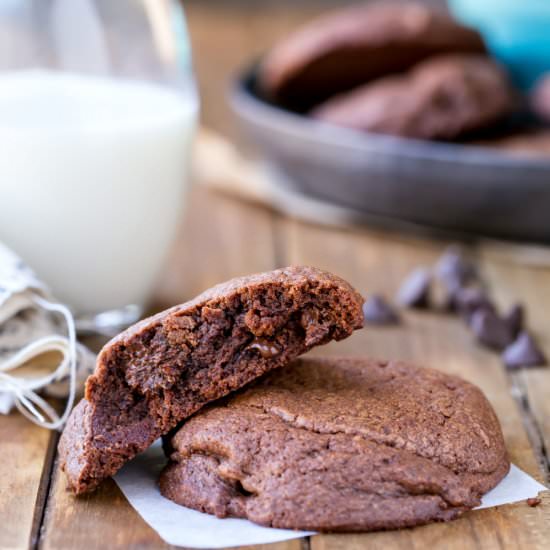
<point>167,367</point>
<point>340,445</point>
<point>344,49</point>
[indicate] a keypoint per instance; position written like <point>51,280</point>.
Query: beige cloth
<point>39,353</point>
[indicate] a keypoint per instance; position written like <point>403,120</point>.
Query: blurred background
<point>250,28</point>
<point>392,116</point>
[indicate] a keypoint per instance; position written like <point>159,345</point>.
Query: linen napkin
<point>38,348</point>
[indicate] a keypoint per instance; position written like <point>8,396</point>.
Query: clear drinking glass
<point>98,109</point>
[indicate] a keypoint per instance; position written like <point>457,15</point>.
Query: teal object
<point>517,32</point>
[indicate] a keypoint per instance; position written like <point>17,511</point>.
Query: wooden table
<point>223,237</point>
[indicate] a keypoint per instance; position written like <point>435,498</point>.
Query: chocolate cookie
<point>166,367</point>
<point>347,48</point>
<point>340,445</point>
<point>441,98</point>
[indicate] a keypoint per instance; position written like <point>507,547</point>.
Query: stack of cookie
<point>254,432</point>
<point>394,68</point>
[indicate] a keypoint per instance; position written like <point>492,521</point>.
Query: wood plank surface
<point>26,454</point>
<point>535,386</point>
<point>527,280</point>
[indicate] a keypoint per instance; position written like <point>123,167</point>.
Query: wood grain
<point>536,389</point>
<point>26,455</point>
<point>513,281</point>
<point>102,520</point>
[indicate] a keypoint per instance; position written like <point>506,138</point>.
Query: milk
<point>92,181</point>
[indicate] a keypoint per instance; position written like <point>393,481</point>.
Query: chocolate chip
<point>415,290</point>
<point>449,297</point>
<point>378,311</point>
<point>523,352</point>
<point>471,299</point>
<point>533,502</point>
<point>515,319</point>
<point>266,349</point>
<point>454,269</point>
<point>490,329</point>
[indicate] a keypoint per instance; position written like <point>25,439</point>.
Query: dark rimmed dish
<point>471,190</point>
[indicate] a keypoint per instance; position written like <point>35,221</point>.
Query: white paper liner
<point>181,526</point>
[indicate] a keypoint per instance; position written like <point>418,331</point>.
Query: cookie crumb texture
<point>168,366</point>
<point>340,445</point>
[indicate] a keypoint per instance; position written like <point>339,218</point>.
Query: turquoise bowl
<point>517,32</point>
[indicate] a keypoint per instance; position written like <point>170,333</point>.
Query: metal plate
<point>467,189</point>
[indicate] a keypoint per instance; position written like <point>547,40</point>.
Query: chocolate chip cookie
<point>347,48</point>
<point>441,98</point>
<point>167,367</point>
<point>340,445</point>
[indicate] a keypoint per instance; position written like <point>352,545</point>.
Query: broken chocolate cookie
<point>165,368</point>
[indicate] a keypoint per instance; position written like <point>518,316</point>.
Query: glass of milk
<point>97,113</point>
